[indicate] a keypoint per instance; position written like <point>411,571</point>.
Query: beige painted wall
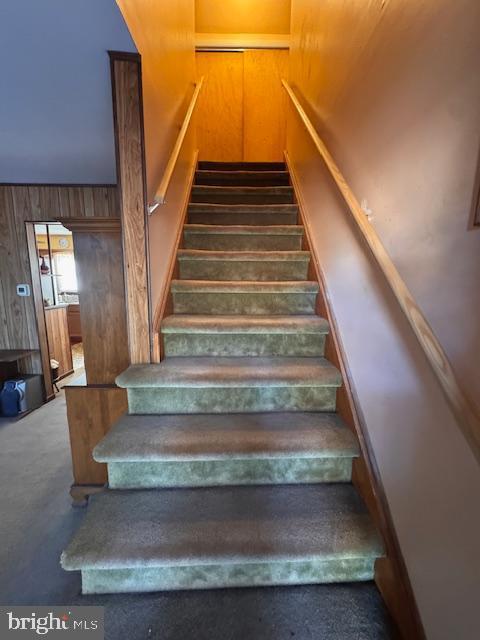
<point>164,34</point>
<point>242,16</point>
<point>397,102</point>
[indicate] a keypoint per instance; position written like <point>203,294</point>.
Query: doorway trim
<point>39,310</point>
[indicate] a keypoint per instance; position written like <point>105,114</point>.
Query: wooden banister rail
<point>172,161</point>
<point>466,413</point>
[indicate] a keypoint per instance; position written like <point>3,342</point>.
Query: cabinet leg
<point>81,492</point>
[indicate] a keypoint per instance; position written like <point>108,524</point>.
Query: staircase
<point>232,467</point>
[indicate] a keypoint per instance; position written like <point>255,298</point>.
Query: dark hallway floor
<point>37,521</point>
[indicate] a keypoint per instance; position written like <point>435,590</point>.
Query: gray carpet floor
<point>37,521</point>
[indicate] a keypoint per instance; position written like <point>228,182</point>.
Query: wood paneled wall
<point>242,109</point>
<point>98,261</point>
<point>126,73</point>
<point>220,106</point>
<point>36,203</point>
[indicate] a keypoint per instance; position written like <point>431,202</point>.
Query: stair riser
<point>145,579</point>
<point>228,344</point>
<point>260,270</point>
<point>153,400</point>
<point>260,179</point>
<point>209,165</point>
<point>242,218</point>
<point>241,242</point>
<point>242,198</point>
<point>206,473</point>
<point>212,303</point>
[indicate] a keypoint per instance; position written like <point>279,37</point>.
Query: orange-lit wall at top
<point>242,112</point>
<point>164,33</point>
<point>242,16</point>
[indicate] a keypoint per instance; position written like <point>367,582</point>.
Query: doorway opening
<point>55,255</point>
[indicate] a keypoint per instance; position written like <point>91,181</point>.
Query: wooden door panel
<point>265,104</point>
<point>220,107</point>
<point>58,339</point>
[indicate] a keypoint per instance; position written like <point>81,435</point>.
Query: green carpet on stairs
<point>232,467</point>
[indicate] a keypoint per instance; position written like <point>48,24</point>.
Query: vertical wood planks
<point>128,119</point>
<point>59,340</point>
<point>98,257</point>
<point>220,106</point>
<point>265,105</point>
<point>242,109</point>
<point>91,412</point>
<point>36,203</point>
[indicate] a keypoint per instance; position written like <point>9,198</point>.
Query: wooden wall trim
<point>463,408</point>
<point>93,225</point>
<point>165,304</point>
<point>126,74</point>
<point>219,41</point>
<point>391,575</point>
<point>65,185</point>
<point>39,312</point>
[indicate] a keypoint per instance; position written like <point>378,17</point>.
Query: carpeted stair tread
<point>244,296</point>
<point>242,178</point>
<point>242,237</point>
<point>211,165</point>
<point>184,323</point>
<point>148,528</point>
<point>221,437</point>
<point>249,230</point>
<point>233,286</point>
<point>244,256</point>
<point>244,335</point>
<point>242,214</point>
<point>210,207</point>
<point>262,266</point>
<point>239,194</point>
<point>231,372</point>
<point>210,189</point>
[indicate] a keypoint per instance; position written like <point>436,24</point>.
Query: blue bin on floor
<point>13,398</point>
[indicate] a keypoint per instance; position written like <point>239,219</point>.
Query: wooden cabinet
<point>73,320</point>
<point>91,413</point>
<point>242,106</point>
<point>58,338</point>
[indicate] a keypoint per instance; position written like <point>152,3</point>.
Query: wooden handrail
<point>465,411</point>
<point>172,161</point>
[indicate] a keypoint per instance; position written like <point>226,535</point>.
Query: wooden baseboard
<point>165,305</point>
<point>391,574</point>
